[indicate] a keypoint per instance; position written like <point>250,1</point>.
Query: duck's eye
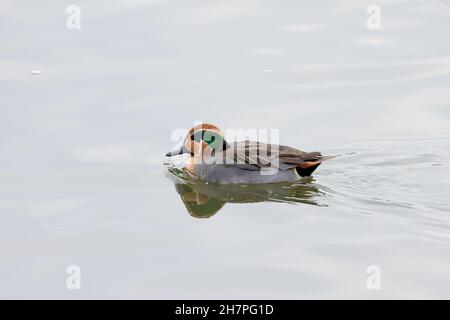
<point>204,135</point>
<point>210,139</point>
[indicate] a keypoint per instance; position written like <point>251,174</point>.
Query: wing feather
<point>251,155</point>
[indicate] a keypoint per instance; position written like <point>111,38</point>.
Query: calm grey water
<point>82,180</point>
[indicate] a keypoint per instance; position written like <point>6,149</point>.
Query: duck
<point>210,158</point>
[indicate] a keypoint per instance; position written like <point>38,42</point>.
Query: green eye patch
<point>213,139</point>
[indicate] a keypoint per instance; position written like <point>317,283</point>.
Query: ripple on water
<point>393,179</point>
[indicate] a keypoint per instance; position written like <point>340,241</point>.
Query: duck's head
<point>200,138</point>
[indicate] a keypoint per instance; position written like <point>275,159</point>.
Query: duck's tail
<point>307,168</point>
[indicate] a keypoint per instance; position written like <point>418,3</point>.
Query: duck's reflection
<point>203,200</point>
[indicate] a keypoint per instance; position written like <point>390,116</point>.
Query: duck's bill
<point>176,152</point>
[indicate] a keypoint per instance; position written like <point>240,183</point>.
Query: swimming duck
<point>212,159</point>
